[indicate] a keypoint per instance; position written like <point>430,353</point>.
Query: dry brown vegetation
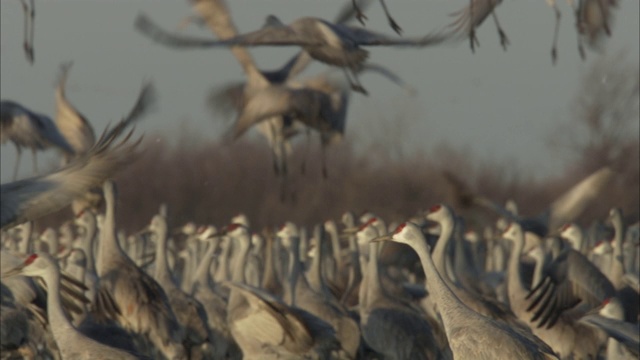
<point>209,182</point>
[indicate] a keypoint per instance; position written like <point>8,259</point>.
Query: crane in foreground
<point>71,343</point>
<point>471,335</point>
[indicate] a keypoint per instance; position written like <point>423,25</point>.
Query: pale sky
<point>499,105</point>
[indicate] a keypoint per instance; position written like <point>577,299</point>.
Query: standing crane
<point>471,335</point>
<point>25,128</point>
<point>71,343</point>
<point>141,305</point>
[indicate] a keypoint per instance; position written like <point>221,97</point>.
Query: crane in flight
<point>333,44</point>
<point>26,128</point>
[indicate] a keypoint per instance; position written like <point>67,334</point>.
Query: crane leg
<point>359,14</point>
<point>17,166</point>
<point>392,22</point>
<point>35,161</point>
<point>305,154</point>
<point>504,40</point>
<point>32,15</point>
<point>604,11</point>
<point>354,81</point>
<point>554,47</point>
<point>27,42</point>
<point>323,150</point>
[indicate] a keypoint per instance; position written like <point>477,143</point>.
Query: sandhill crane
<point>189,311</point>
<point>25,128</point>
<point>563,209</point>
<point>71,343</point>
<point>389,326</point>
<point>488,307</point>
<point>140,303</point>
<point>491,339</point>
<point>472,16</point>
<point>72,124</point>
<point>318,302</point>
<point>262,325</point>
<point>334,44</point>
<point>593,20</point>
<point>566,337</point>
<point>214,304</point>
<point>624,338</point>
<point>32,198</point>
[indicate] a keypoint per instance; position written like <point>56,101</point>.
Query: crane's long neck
<point>449,305</point>
<point>162,275</point>
<point>108,248</point>
<point>242,247</point>
<point>59,322</point>
<point>270,279</point>
<point>617,261</point>
<point>297,281</point>
<point>355,270</point>
<point>515,287</point>
<point>202,276</point>
<point>26,243</point>
<point>335,248</point>
<point>440,252</point>
<point>222,272</point>
<point>88,243</point>
<point>315,272</point>
<point>374,288</point>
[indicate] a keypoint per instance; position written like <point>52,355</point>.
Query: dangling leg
<point>15,169</point>
<point>35,161</point>
<point>355,82</point>
<point>473,40</point>
<point>604,11</point>
<point>554,47</point>
<point>305,154</point>
<point>392,22</point>
<point>576,11</point>
<point>504,41</point>
<point>25,41</point>
<point>323,153</point>
<point>359,14</point>
<point>32,32</point>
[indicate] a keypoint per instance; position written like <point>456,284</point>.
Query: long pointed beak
<point>349,231</point>
<point>13,272</point>
<point>382,238</point>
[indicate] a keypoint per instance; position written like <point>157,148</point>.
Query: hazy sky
<point>500,105</point>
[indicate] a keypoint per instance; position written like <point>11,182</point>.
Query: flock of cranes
<point>327,292</point>
<point>524,288</point>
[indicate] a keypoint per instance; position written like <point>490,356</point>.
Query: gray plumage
<point>137,301</point>
<point>72,124</point>
<point>471,335</point>
<point>25,128</point>
<point>334,44</point>
<point>472,16</point>
<point>32,198</point>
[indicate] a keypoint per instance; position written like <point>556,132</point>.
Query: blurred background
<point>509,124</point>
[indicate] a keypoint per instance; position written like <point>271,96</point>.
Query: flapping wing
<point>569,280</point>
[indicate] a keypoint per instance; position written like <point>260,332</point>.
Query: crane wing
<point>568,280</point>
